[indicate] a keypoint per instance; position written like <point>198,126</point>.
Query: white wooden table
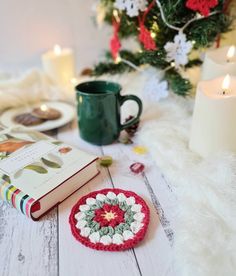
<point>47,248</point>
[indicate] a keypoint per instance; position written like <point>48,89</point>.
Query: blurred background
<point>30,27</point>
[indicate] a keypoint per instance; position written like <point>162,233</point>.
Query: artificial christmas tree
<point>168,31</point>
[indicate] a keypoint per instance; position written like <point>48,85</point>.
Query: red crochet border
<point>112,247</point>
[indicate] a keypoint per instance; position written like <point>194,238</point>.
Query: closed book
<point>38,172</point>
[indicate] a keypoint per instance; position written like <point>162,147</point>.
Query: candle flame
<point>43,107</point>
<point>226,83</point>
<point>231,52</point>
<point>57,49</point>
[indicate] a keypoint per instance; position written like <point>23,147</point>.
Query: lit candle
<point>219,62</point>
<point>59,65</point>
<point>213,124</point>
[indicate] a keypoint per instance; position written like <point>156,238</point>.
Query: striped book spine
<point>16,197</point>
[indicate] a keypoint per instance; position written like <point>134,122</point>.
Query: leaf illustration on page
<point>18,174</point>
<point>36,168</point>
<point>50,164</point>
<point>55,158</point>
<point>57,143</point>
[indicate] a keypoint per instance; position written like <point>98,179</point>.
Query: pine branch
<point>177,83</point>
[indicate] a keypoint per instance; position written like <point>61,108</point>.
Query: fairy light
<point>197,17</point>
<point>118,59</point>
<point>116,15</point>
<point>153,35</point>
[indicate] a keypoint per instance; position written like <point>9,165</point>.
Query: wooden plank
<point>74,258</point>
<point>154,253</point>
<point>27,247</point>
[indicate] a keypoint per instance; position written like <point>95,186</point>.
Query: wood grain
<point>154,253</point>
<point>48,247</point>
<point>75,258</point>
<point>27,247</point>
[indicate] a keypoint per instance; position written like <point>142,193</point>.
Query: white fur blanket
<point>205,234</point>
<point>32,86</point>
<point>205,230</point>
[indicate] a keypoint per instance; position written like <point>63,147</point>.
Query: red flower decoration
<point>109,215</point>
<point>201,6</point>
<point>146,39</point>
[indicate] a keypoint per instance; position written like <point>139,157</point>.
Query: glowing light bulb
<point>231,53</point>
<point>153,35</point>
<point>226,84</point>
<point>57,49</point>
<point>118,60</point>
<point>116,15</point>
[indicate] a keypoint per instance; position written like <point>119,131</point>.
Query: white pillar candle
<point>219,62</point>
<point>59,65</point>
<point>213,125</point>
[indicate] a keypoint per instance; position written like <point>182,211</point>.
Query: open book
<point>38,172</point>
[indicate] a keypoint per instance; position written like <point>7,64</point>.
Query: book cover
<point>37,172</point>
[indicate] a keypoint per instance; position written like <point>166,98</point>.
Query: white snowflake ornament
<point>178,50</point>
<point>155,90</point>
<point>132,7</point>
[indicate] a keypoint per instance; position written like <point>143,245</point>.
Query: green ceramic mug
<point>98,107</point>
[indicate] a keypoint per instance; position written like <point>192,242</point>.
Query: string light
<point>116,15</point>
<point>153,35</point>
<point>198,17</point>
<point>118,60</point>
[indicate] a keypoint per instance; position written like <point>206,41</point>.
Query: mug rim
<point>119,87</point>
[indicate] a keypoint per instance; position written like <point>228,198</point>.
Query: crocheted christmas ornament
<point>144,34</point>
<point>201,6</point>
<point>145,38</point>
<point>110,219</point>
<point>115,44</point>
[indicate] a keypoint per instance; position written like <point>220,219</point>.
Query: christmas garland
<point>167,31</point>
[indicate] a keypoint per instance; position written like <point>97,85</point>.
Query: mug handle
<point>140,109</point>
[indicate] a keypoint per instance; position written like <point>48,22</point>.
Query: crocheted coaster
<point>110,219</point>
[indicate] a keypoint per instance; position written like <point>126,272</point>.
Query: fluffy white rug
<point>205,232</point>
